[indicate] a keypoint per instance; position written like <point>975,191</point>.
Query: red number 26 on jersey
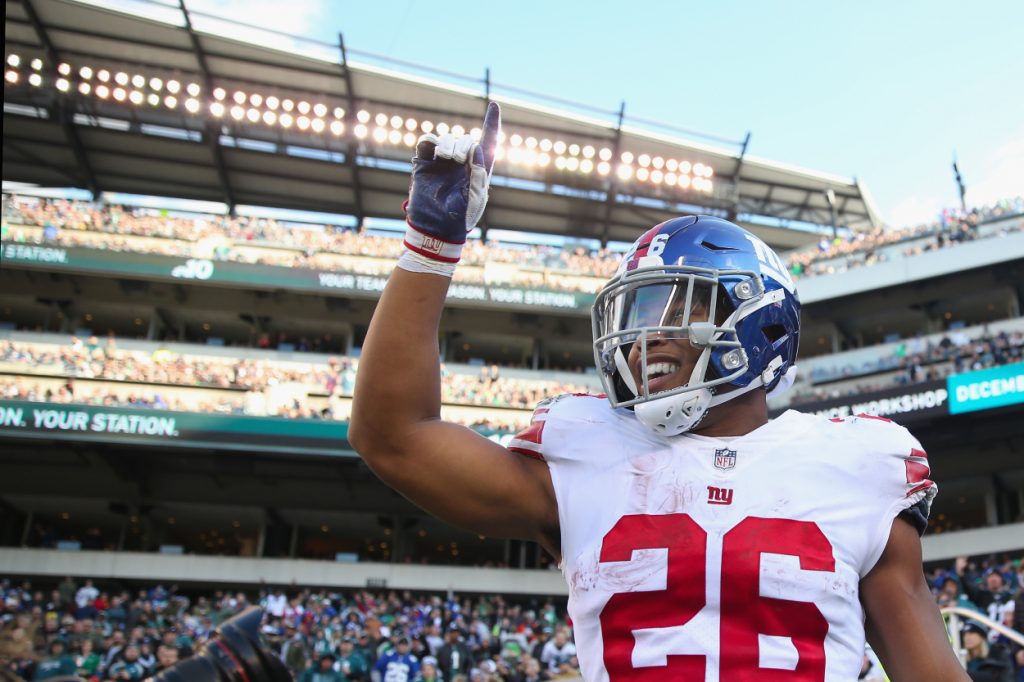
<point>744,612</point>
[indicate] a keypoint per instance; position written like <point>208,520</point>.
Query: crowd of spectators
<point>110,633</point>
<point>155,379</point>
<point>281,243</point>
<point>916,361</point>
<point>271,242</point>
<point>861,249</point>
<point>114,633</point>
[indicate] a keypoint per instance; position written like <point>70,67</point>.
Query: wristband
<point>414,262</point>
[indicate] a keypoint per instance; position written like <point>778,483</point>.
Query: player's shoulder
<point>870,432</point>
<point>555,418</point>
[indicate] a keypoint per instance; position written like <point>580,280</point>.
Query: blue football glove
<point>448,192</point>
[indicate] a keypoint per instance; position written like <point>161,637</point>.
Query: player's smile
<point>669,363</point>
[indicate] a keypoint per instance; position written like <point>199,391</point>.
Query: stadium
<point>196,231</point>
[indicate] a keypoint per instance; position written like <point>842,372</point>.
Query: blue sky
<point>884,91</point>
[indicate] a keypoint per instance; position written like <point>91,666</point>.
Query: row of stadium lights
<point>529,152</point>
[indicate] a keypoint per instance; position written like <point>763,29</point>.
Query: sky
<point>886,92</point>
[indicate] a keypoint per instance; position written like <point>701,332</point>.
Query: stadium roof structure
<point>117,102</point>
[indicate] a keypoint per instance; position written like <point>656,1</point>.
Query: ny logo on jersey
<point>725,459</point>
<point>432,244</point>
<point>719,495</point>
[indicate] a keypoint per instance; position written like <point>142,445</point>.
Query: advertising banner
<point>253,275</point>
<point>986,389</point>
<point>902,404</point>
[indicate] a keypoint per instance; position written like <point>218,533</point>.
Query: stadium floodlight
<point>363,116</point>
<point>318,125</point>
<point>120,94</point>
<point>174,87</point>
<point>84,88</point>
<point>515,155</point>
<point>319,109</point>
<point>255,99</point>
<point>338,128</point>
<point>63,84</point>
<point>627,157</point>
<point>170,101</point>
<point>560,162</point>
<point>217,109</point>
<point>64,69</point>
<point>339,113</point>
<point>642,174</point>
<point>658,162</point>
<point>360,131</point>
<point>103,76</point>
<point>684,181</point>
<point>499,152</point>
<point>515,140</point>
<point>572,163</point>
<point>531,142</point>
<point>708,171</point>
<point>239,97</point>
<point>586,166</point>
<point>397,121</point>
<point>253,115</point>
<point>303,107</point>
<point>426,126</point>
<point>193,89</point>
<point>545,145</point>
<point>604,168</point>
<point>670,179</point>
<point>698,169</point>
<point>269,117</point>
<point>273,103</point>
<point>381,119</point>
<point>35,79</point>
<point>121,78</point>
<point>588,152</point>
<point>442,128</point>
<point>11,77</point>
<point>605,154</point>
<point>156,84</point>
<point>153,99</point>
<point>37,64</point>
<point>644,160</point>
<point>219,94</point>
<point>237,112</point>
<point>410,124</point>
<point>684,167</point>
<point>458,130</point>
<point>288,105</point>
<point>302,122</point>
<point>13,60</point>
<point>192,104</point>
<point>409,139</point>
<point>559,147</point>
<point>136,97</point>
<point>138,81</point>
<point>475,133</point>
<point>543,159</point>
<point>625,171</point>
<point>380,134</point>
<point>574,149</point>
<point>395,136</point>
<point>657,176</point>
<point>286,120</point>
<point>85,72</point>
<point>672,165</point>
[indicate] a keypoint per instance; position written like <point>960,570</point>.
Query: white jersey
<point>703,559</point>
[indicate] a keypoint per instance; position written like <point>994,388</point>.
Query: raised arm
<point>447,469</point>
<point>903,621</point>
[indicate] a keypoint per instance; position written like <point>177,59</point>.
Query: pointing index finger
<point>489,137</point>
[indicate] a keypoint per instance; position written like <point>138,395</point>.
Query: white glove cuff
<point>414,262</point>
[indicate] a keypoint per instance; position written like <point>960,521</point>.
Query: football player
<point>700,540</point>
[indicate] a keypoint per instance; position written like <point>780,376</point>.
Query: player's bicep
<point>472,482</point>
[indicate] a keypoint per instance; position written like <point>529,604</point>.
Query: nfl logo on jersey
<point>725,459</point>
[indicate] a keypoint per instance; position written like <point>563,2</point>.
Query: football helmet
<point>707,281</point>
